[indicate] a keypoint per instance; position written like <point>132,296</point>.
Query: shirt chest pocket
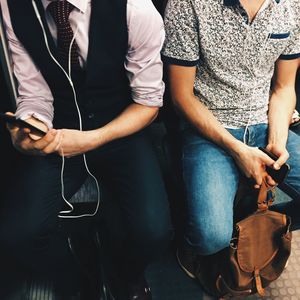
<point>276,45</point>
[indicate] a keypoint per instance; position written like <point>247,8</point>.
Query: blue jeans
<point>211,179</point>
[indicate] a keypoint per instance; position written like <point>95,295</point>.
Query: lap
<point>211,177</point>
<point>207,169</point>
<point>130,171</point>
<point>33,196</point>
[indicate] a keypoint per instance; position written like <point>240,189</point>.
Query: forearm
<point>134,118</point>
<point>281,107</point>
<point>206,123</point>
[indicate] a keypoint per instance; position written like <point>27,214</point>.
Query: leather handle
<point>262,200</point>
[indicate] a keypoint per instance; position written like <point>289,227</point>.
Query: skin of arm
<point>70,142</point>
<point>281,107</point>
<point>134,118</point>
<point>251,161</point>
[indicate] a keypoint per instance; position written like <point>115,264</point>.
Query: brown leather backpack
<point>257,255</point>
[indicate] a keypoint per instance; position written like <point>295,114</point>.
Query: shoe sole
<point>191,275</point>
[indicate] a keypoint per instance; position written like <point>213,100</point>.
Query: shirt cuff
<point>153,102</point>
<point>289,56</point>
<point>179,62</point>
<point>152,98</point>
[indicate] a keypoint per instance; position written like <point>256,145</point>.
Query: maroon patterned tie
<point>60,11</point>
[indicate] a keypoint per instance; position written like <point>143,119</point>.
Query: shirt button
<point>91,116</point>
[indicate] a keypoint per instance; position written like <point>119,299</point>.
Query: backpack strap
<point>263,202</point>
<point>258,284</point>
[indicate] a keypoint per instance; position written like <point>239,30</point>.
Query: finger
<point>271,182</point>
<point>46,140</point>
<point>258,181</point>
<point>35,136</point>
<point>9,113</point>
<point>54,145</point>
<point>281,161</point>
<point>20,135</point>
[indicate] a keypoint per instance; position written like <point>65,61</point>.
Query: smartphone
<point>21,123</point>
<point>278,175</point>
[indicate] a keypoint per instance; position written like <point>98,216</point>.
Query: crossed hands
<point>253,162</point>
<point>64,142</point>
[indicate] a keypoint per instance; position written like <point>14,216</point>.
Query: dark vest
<point>103,92</point>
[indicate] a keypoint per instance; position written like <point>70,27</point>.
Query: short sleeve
<point>292,51</point>
<point>181,45</point>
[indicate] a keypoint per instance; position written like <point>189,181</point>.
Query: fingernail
<point>276,166</point>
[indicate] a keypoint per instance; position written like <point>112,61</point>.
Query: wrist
<point>277,140</point>
<point>235,147</point>
<point>100,137</point>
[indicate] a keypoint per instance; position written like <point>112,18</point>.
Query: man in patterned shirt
<point>221,57</point>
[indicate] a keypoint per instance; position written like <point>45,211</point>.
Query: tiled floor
<point>170,283</point>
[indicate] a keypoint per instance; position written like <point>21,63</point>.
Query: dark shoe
<point>186,258</point>
<point>121,290</point>
<point>86,254</point>
<point>199,267</point>
<point>139,290</point>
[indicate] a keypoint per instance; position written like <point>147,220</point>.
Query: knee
<point>211,239</point>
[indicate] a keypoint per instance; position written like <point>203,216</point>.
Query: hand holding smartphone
<point>278,175</point>
<point>21,123</point>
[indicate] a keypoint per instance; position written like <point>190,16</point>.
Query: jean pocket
<point>279,36</point>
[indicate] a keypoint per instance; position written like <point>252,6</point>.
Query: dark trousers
<point>127,169</point>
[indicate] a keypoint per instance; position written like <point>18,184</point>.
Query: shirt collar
<point>79,4</point>
<point>236,2</point>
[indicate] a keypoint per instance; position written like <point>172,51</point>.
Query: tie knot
<point>60,11</point>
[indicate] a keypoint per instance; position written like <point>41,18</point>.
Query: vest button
<point>91,116</point>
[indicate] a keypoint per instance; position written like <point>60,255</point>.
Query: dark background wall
<point>8,155</point>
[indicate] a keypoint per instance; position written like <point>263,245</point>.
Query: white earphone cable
<point>260,56</point>
<point>68,76</point>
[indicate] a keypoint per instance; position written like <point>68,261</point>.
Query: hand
<point>281,152</point>
<point>252,163</point>
<point>39,124</point>
<point>295,117</point>
<point>23,142</point>
<point>76,142</point>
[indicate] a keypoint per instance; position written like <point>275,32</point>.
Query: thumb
<point>281,161</point>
